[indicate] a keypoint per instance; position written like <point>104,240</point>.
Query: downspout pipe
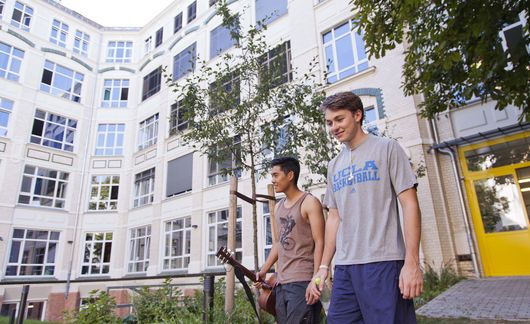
<point>449,151</point>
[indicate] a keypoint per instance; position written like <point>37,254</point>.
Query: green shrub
<point>436,282</point>
<point>99,309</point>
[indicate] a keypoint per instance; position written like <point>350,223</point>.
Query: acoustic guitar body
<point>267,297</point>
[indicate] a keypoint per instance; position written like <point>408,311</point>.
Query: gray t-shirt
<point>363,184</point>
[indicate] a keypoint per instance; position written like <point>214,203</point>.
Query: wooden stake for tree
<point>230,275</point>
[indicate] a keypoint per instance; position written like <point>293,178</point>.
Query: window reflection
<point>500,207</point>
<point>498,155</point>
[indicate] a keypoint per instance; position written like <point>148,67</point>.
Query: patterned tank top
<point>296,245</point>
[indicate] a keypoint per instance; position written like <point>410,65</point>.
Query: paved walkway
<point>503,298</point>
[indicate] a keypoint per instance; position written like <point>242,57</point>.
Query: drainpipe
<point>451,153</point>
<point>84,172</point>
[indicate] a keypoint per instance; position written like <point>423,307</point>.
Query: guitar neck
<point>249,274</point>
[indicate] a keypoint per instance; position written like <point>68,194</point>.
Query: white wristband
<point>323,266</point>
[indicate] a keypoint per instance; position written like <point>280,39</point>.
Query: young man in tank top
<point>298,249</point>
<point>377,271</point>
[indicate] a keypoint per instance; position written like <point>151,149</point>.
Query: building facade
<point>97,191</point>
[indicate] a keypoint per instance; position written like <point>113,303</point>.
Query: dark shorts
<point>369,293</point>
<point>291,307</point>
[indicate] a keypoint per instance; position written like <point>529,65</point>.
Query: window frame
<point>159,37</point>
<point>88,263</point>
<point>56,74</point>
<point>110,131</point>
<point>59,33</point>
<point>144,180</point>
<point>116,47</point>
<point>14,62</point>
<point>171,256</point>
<point>148,132</point>
<point>177,22</point>
<point>153,80</point>
<point>51,123</point>
<point>109,203</point>
<point>359,64</point>
<point>52,238</point>
<point>2,6</point>
<point>81,42</point>
<point>273,58</point>
<point>192,11</point>
<point>6,108</point>
<point>177,121</point>
<point>119,87</point>
<point>213,228</point>
<point>217,176</point>
<point>37,180</point>
<point>135,238</point>
<point>182,59</point>
<point>26,13</point>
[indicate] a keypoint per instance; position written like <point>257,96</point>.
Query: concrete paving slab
<point>499,298</point>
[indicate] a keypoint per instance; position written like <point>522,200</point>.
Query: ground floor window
<point>218,235</point>
<point>177,249</point>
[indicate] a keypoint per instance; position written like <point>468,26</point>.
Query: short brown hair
<point>343,100</point>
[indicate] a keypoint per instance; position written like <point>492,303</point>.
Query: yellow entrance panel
<point>497,176</point>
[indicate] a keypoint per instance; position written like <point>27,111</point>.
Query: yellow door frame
<point>470,177</point>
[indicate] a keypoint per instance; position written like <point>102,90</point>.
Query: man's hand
<point>317,284</point>
<point>260,276</point>
<point>411,280</point>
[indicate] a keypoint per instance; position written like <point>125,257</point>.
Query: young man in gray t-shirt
<point>377,271</point>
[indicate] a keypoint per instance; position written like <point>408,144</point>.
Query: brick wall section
<point>57,305</point>
<point>122,297</point>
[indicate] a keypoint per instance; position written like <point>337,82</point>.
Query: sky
<point>118,13</point>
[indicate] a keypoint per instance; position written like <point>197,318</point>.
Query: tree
<point>249,107</point>
<point>99,309</point>
<point>454,49</point>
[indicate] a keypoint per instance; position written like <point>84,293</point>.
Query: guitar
<point>266,299</point>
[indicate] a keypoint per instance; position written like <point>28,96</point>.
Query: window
<point>344,52</point>
<point>268,11</point>
<point>177,118</point>
<point>212,2</point>
<point>2,3</point>
<point>10,61</point>
<point>218,235</point>
<point>512,35</point>
<point>81,42</point>
<point>110,139</point>
<point>152,83</point>
<point>220,40</point>
<point>43,187</point>
<point>6,106</point>
<point>224,93</point>
<point>370,115</point>
<point>59,33</point>
<point>53,130</point>
<point>104,192</point>
<point>177,250</point>
<point>139,249</point>
<point>21,16</point>
<point>61,81</point>
<point>144,187</point>
<point>148,132</point>
<point>148,43</point>
<point>192,11</point>
<point>177,23</point>
<point>278,64</point>
<point>115,93</point>
<point>179,175</point>
<point>119,52</point>
<point>227,161</point>
<point>159,37</point>
<point>184,62</point>
<point>267,231</point>
<point>96,258</point>
<point>32,253</point>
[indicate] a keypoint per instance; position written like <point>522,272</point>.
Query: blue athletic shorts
<point>369,293</point>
